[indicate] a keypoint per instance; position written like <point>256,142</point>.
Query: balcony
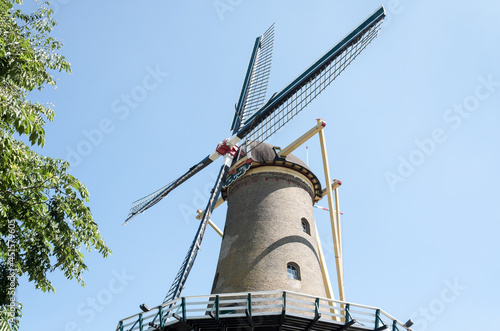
<point>274,310</point>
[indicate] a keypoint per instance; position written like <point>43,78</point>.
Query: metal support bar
<point>162,321</point>
<point>302,139</point>
<point>313,322</point>
<point>395,325</point>
<point>347,325</point>
<point>177,317</point>
<point>336,183</point>
<point>217,313</point>
<point>248,310</point>
<point>183,305</point>
<point>283,312</point>
<point>317,315</point>
<point>316,308</point>
<point>378,320</point>
<point>348,316</point>
<point>282,319</point>
<point>154,327</point>
<point>140,323</point>
<point>222,325</point>
<point>333,219</point>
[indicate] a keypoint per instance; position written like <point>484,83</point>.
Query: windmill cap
<point>264,154</point>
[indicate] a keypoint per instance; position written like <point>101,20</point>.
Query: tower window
<point>305,226</point>
<point>293,271</point>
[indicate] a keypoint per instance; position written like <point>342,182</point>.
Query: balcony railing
<point>248,308</point>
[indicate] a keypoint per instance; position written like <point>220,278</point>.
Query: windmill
<point>254,121</point>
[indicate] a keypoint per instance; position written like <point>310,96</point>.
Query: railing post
<point>140,322</point>
<point>284,301</point>
<point>377,318</point>
<point>249,304</point>
<point>395,325</point>
<point>183,305</point>
<point>217,307</point>
<point>316,308</point>
<point>348,316</point>
<point>160,311</point>
<point>120,326</point>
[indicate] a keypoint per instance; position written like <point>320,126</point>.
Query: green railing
<point>249,305</point>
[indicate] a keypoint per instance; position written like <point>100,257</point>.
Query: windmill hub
<point>223,148</point>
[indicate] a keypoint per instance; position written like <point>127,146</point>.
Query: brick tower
<point>270,234</point>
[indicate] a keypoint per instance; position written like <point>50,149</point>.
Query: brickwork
<point>264,233</point>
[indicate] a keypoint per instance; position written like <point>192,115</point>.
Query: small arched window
<point>293,271</point>
<point>305,226</point>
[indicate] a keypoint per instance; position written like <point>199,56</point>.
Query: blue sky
<point>412,131</point>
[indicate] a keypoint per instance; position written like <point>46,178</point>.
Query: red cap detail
<point>223,148</point>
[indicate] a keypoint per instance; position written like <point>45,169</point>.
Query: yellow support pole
<point>336,183</point>
<point>337,211</point>
<point>216,228</point>
<point>302,139</point>
<point>326,276</point>
<point>219,202</point>
<point>287,150</point>
<point>212,224</point>
<point>333,217</point>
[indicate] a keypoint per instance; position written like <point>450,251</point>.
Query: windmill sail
<point>254,121</point>
<point>284,105</point>
<point>152,199</point>
<point>253,91</point>
<point>187,264</point>
<point>287,103</point>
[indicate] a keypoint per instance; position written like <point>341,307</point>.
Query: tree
<point>44,222</point>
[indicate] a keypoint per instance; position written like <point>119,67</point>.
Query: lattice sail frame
<point>259,126</point>
<point>283,106</point>
<point>306,88</point>
<point>152,199</point>
<point>254,89</point>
